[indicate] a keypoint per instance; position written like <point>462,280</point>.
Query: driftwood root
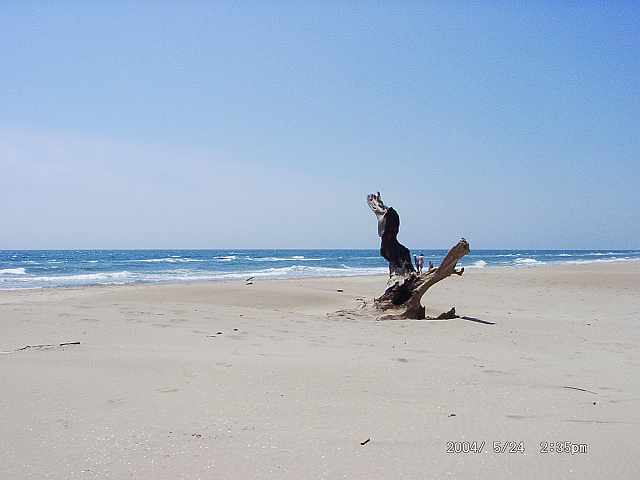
<point>402,300</point>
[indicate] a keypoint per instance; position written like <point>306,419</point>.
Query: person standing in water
<point>419,259</point>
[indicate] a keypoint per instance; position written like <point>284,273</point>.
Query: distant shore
<point>230,380</point>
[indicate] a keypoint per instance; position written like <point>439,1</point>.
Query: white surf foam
<point>86,277</point>
<point>300,258</point>
<point>166,260</point>
<point>306,270</point>
<point>603,260</point>
<point>184,275</point>
<point>13,271</point>
<point>478,264</point>
<point>527,261</point>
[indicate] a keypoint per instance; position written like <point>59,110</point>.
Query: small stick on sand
<point>581,389</point>
<point>44,345</point>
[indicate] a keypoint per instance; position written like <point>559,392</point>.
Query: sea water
<point>68,268</point>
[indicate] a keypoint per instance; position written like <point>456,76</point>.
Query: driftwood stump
<point>402,298</point>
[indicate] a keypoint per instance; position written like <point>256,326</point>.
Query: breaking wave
<point>13,271</point>
<point>167,276</point>
<point>603,260</point>
<point>478,264</point>
<point>172,259</point>
<point>527,261</point>
<point>299,258</point>
<point>69,280</point>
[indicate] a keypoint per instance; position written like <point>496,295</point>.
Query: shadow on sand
<point>477,320</point>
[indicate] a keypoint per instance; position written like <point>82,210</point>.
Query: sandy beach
<point>225,380</point>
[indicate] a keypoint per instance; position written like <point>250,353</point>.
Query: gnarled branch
<point>391,249</point>
<point>403,299</point>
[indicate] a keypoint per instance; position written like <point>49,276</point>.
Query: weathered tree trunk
<point>394,252</point>
<point>402,299</point>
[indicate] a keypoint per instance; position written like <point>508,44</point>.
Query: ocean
<point>21,269</point>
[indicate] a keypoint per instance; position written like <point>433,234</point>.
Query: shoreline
<point>196,281</point>
<point>47,269</point>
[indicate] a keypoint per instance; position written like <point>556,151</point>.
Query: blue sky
<point>200,125</point>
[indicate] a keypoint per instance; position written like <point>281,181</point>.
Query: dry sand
<point>154,392</point>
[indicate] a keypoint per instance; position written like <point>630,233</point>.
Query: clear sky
<point>265,124</point>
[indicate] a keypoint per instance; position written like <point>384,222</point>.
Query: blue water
<point>65,268</point>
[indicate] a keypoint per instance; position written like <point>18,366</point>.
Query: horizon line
<point>291,248</point>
